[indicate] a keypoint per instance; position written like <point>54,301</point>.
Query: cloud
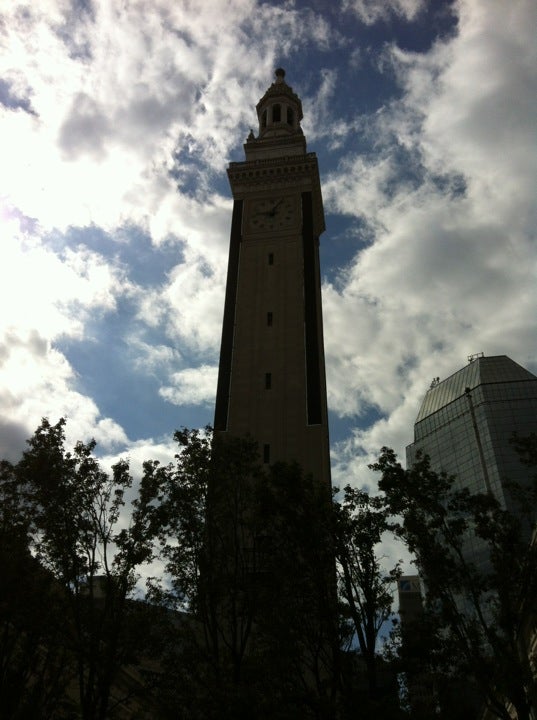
<point>449,262</point>
<point>153,357</point>
<point>372,11</point>
<point>195,295</point>
<point>85,129</point>
<point>143,89</point>
<point>50,291</point>
<point>138,108</point>
<point>13,437</point>
<point>37,381</point>
<point>50,296</point>
<point>192,386</point>
<point>14,97</point>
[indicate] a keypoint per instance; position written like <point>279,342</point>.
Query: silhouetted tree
<point>365,588</point>
<point>206,516</point>
<point>474,609</point>
<point>71,515</point>
<point>247,550</point>
<point>35,667</point>
<point>299,619</point>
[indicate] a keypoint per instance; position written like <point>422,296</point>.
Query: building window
<point>289,116</point>
<point>268,381</point>
<point>266,453</point>
<point>269,319</point>
<point>276,113</point>
<point>264,119</point>
<point>271,258</point>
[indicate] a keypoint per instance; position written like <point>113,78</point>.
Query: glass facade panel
<point>465,425</point>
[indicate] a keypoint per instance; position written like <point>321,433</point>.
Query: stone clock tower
<point>271,382</point>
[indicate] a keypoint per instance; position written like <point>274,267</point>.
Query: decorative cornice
<point>305,160</point>
<point>299,172</point>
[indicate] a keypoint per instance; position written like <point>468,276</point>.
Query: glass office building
<point>465,424</point>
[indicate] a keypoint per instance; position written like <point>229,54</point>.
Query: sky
<point>117,122</point>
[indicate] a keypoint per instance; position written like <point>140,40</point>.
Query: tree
<point>365,588</point>
<point>247,551</point>
<point>35,668</point>
<point>299,617</point>
<point>207,535</point>
<point>70,510</point>
<point>475,610</point>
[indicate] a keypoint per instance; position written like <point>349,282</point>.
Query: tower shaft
<point>271,382</point>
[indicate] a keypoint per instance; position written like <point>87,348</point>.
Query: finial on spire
<point>280,75</point>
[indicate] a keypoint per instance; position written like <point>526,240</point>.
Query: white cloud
<point>371,11</point>
<point>137,452</point>
<point>450,264</point>
<point>139,107</point>
<point>152,357</point>
<point>37,381</point>
<point>192,386</point>
<point>48,291</point>
<point>121,91</point>
<point>49,296</point>
<point>195,295</point>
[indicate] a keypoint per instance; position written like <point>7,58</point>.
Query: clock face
<point>272,213</point>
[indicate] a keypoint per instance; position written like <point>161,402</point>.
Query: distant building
<point>410,600</point>
<point>465,424</point>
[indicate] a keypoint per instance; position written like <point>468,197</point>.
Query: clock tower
<point>271,382</point>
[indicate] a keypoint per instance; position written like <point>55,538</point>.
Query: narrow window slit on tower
<point>276,113</point>
<point>269,319</point>
<point>289,116</point>
<point>268,381</point>
<point>266,453</point>
<point>271,258</point>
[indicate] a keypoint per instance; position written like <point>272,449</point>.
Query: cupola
<point>279,111</point>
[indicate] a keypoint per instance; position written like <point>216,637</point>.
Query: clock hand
<point>272,212</point>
